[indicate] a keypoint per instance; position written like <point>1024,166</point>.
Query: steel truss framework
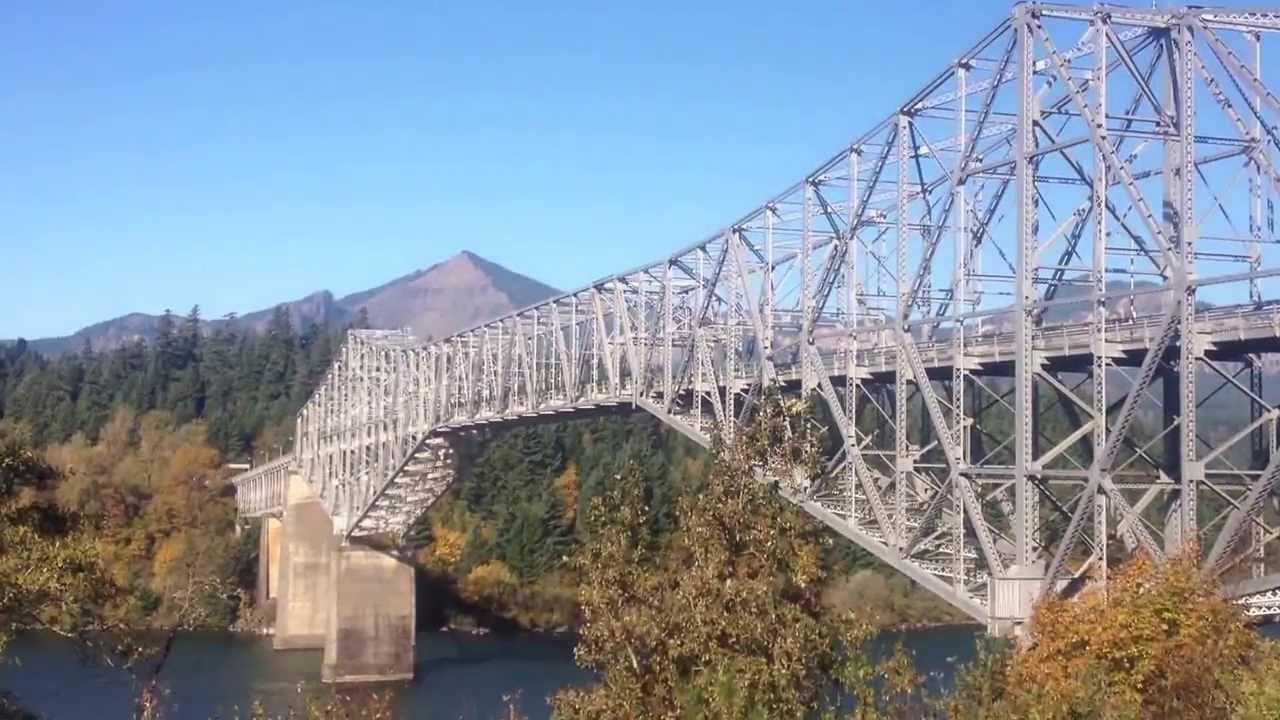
<point>1016,297</point>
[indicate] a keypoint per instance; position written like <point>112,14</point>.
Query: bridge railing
<point>263,490</point>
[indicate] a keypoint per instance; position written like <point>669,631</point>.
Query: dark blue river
<point>458,675</point>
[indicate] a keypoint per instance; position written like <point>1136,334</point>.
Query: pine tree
<point>93,406</point>
<point>186,393</point>
<point>161,362</point>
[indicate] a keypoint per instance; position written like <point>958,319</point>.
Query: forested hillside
<point>501,542</point>
<point>244,385</point>
<point>500,539</point>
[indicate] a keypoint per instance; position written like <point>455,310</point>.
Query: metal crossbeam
<point>1007,293</point>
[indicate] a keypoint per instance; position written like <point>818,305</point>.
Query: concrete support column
<point>307,542</point>
<point>269,539</point>
<point>370,634</point>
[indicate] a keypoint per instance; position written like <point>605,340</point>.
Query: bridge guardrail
<point>263,490</point>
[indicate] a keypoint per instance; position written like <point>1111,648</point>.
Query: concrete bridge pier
<point>306,543</point>
<point>370,635</point>
<point>353,602</point>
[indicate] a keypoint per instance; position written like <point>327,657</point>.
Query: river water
<point>458,676</point>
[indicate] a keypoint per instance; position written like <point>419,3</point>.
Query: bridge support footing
<point>370,634</point>
<point>306,543</point>
<point>1012,599</point>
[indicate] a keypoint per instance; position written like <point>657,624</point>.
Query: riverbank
<point>551,606</point>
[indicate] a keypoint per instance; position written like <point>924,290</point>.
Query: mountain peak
<point>469,260</point>
<point>462,261</point>
<point>460,292</point>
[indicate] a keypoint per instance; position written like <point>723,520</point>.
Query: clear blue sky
<point>237,154</point>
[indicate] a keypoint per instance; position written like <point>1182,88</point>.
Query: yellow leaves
<point>192,463</point>
<point>116,437</point>
<point>566,490</point>
<point>1161,643</point>
<point>491,582</point>
<point>169,557</point>
<point>161,523</point>
<point>445,550</point>
<point>49,580</point>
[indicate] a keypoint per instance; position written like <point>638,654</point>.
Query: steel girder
<point>1015,295</point>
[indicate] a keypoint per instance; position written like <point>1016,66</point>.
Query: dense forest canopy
<point>245,385</point>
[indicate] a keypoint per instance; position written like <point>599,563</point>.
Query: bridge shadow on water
<point>438,605</point>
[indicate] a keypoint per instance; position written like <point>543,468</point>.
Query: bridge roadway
<point>999,293</point>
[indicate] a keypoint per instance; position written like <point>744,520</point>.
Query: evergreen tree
<point>162,361</point>
<point>187,392</point>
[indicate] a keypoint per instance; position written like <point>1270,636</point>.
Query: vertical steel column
<point>959,305</point>
<point>959,285</point>
<point>699,346</point>
<point>1100,539</point>
<point>1025,505</point>
<point>1262,437</point>
<point>376,421</point>
<point>850,339</point>
<point>767,282</point>
<point>729,273</point>
<point>668,331</point>
<point>1099,314</point>
<point>576,353</point>
<point>1255,176</point>
<point>903,461</point>
<point>808,264</point>
<point>643,339</point>
<point>1182,76</point>
<point>349,418</point>
<point>535,362</point>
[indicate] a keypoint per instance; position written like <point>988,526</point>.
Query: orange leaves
<point>446,548</point>
<point>192,464</point>
<point>490,583</point>
<point>566,490</point>
<point>1160,643</point>
<point>169,555</point>
<point>152,490</point>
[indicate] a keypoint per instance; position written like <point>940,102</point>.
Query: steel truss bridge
<point>1032,300</point>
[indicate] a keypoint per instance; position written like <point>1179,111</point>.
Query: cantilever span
<point>1036,300</point>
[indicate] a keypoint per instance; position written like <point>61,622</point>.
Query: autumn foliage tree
<point>724,619</point>
<point>164,527</point>
<point>132,531</point>
<point>51,575</point>
<point>1161,642</point>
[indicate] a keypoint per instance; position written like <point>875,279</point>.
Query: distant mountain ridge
<point>435,302</point>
